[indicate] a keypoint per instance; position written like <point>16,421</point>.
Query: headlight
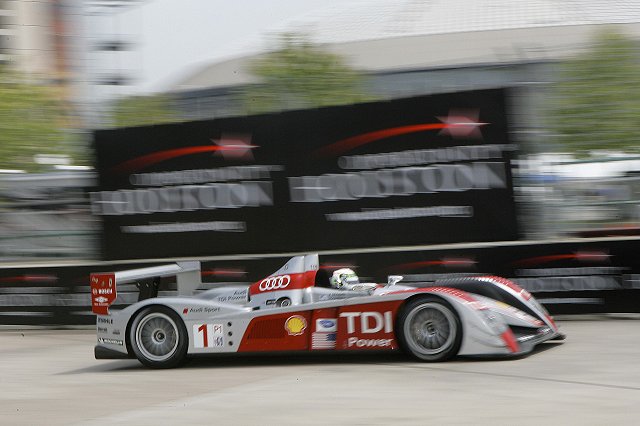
<point>493,321</point>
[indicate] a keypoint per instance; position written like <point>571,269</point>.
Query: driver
<point>344,279</point>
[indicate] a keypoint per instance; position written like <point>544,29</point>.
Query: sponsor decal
<point>110,341</point>
<point>371,343</point>
<point>275,283</point>
<point>116,332</point>
<point>366,330</point>
<point>208,335</point>
<point>295,325</point>
<point>326,325</point>
<point>237,296</point>
<point>323,341</point>
<point>201,310</point>
<point>103,290</point>
<point>103,320</point>
<point>102,330</point>
<point>369,322</point>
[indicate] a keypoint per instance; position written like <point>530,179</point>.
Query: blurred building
<point>36,37</point>
<point>411,47</point>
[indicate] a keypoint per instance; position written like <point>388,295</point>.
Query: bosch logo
<point>275,283</point>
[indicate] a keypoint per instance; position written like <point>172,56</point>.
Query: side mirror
<point>394,279</point>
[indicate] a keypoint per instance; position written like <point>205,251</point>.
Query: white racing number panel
<point>208,336</point>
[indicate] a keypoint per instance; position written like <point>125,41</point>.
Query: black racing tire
<point>429,329</point>
<point>159,338</point>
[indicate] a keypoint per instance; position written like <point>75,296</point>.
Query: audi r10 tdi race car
<point>296,309</point>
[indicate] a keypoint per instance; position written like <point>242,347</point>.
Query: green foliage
<point>299,74</point>
<point>597,101</point>
<point>32,121</point>
<point>142,111</point>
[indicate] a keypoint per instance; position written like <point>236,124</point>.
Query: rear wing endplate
<point>104,285</point>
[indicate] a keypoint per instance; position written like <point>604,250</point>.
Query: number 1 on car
<point>208,335</point>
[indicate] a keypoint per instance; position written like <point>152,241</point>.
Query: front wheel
<point>158,338</point>
<point>429,329</point>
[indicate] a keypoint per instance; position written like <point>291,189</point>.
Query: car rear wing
<point>104,285</point>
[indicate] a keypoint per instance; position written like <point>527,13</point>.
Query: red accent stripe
<point>460,294</point>
<point>553,323</point>
<point>513,286</point>
<point>510,341</point>
<point>348,144</point>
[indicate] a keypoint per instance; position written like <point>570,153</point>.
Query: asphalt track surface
<point>49,377</point>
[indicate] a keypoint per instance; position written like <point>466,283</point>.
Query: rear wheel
<point>158,338</point>
<point>429,329</point>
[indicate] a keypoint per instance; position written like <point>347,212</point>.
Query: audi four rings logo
<point>274,283</point>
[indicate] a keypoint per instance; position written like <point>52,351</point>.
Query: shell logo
<point>295,325</point>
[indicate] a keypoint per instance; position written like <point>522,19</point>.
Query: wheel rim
<point>430,329</point>
<point>157,336</point>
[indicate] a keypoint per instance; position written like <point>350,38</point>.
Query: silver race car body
<point>295,309</point>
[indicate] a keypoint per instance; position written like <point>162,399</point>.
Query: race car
<point>297,309</point>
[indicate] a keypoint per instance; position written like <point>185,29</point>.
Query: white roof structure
<point>376,19</point>
<point>381,35</point>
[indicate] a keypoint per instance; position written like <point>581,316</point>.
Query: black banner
<point>423,170</point>
<point>568,278</point>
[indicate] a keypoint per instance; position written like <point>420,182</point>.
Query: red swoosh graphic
<point>418,265</point>
<point>138,163</point>
<point>348,144</point>
<point>30,278</point>
<point>543,259</point>
<point>546,259</point>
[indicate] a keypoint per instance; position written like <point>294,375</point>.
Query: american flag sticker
<point>323,341</point>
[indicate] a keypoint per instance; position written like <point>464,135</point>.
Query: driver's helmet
<point>344,277</point>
